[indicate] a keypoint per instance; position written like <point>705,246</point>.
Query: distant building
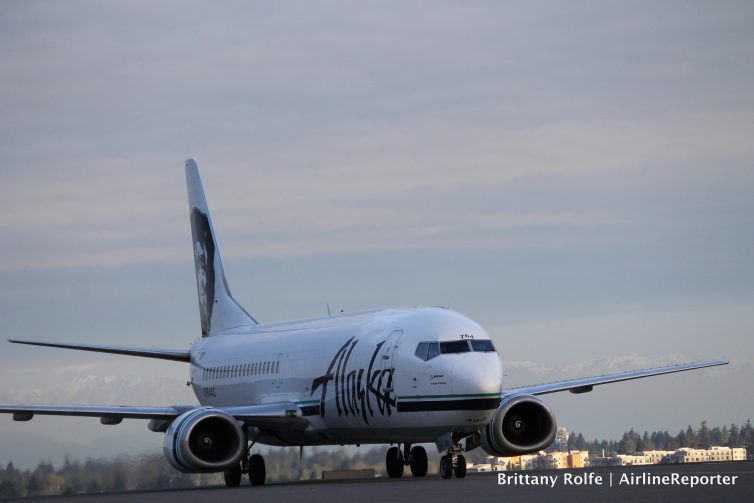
<point>682,455</point>
<point>561,439</point>
<point>644,458</point>
<point>657,457</point>
<point>525,462</point>
<point>558,460</point>
<point>491,464</point>
<point>554,460</point>
<point>631,459</point>
<point>714,453</point>
<point>577,459</point>
<point>479,467</point>
<point>603,461</point>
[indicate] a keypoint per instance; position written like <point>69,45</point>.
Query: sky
<point>577,177</point>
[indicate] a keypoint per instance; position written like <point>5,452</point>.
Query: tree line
<point>152,471</point>
<point>700,438</point>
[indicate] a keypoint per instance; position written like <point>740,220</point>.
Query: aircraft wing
<point>24,412</point>
<point>264,416</point>
<point>162,354</point>
<point>586,384</point>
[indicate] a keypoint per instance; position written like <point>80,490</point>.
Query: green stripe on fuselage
<point>445,397</point>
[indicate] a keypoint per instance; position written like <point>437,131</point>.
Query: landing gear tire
<point>418,462</point>
<point>233,476</point>
<point>257,471</point>
<point>460,468</point>
<point>446,466</point>
<point>394,463</point>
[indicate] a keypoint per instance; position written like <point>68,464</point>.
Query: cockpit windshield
<point>428,350</point>
<point>454,347</point>
<point>482,345</point>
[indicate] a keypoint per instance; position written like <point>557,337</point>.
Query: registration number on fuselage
<point>209,392</point>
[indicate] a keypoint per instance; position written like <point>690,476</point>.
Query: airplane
<point>400,376</point>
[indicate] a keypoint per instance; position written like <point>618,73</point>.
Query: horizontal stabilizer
<point>162,354</point>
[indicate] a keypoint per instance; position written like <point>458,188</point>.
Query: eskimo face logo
<point>204,261</point>
<point>356,389</point>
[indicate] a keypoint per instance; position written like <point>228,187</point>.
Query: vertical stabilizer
<point>218,310</point>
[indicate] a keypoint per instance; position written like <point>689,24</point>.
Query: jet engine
<point>204,440</point>
<point>521,425</point>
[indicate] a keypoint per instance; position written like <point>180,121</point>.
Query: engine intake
<point>204,440</point>
<point>521,425</point>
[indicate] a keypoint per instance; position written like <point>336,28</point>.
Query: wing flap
<point>586,384</point>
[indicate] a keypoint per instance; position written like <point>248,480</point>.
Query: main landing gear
<point>252,465</point>
<point>415,457</point>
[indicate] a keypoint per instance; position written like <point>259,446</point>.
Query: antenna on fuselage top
<point>329,313</point>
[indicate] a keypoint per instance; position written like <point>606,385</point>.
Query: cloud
<point>415,197</point>
<point>328,131</point>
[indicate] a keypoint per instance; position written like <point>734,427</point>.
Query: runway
<point>564,486</point>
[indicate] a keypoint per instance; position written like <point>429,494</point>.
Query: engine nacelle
<point>521,425</point>
<point>204,440</point>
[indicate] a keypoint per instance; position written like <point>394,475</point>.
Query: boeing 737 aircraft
<point>400,376</point>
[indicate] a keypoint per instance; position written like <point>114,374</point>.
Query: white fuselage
<point>355,377</point>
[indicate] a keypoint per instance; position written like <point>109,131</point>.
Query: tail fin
<point>218,309</point>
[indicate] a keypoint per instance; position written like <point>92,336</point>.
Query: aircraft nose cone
<point>478,374</point>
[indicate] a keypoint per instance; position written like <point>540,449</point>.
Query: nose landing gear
<point>453,463</point>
